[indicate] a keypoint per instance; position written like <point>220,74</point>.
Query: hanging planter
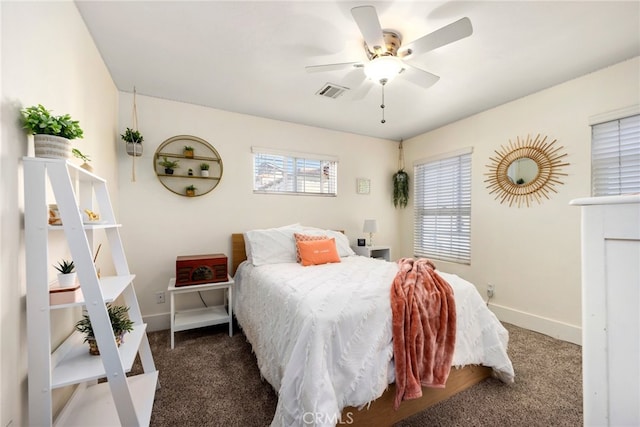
<point>400,183</point>
<point>133,138</point>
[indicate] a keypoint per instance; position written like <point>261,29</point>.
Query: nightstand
<point>200,317</point>
<point>381,252</point>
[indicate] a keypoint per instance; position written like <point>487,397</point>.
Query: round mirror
<point>525,171</point>
<point>522,171</point>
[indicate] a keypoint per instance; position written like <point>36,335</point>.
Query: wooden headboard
<point>238,253</point>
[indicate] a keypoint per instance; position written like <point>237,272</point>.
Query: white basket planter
<point>204,172</point>
<point>53,147</point>
<point>134,149</point>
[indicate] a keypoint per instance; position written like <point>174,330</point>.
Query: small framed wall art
<point>363,185</point>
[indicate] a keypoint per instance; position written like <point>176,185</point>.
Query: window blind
<point>442,204</point>
<point>275,172</point>
<point>615,157</point>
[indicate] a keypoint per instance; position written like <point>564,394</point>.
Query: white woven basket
<point>50,146</point>
<point>134,149</point>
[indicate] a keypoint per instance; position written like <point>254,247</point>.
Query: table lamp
<point>370,226</point>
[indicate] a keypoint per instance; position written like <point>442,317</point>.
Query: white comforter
<point>322,334</point>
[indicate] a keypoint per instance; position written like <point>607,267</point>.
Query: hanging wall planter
<point>400,183</point>
<point>133,138</point>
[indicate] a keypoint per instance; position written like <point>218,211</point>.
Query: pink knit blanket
<point>424,328</point>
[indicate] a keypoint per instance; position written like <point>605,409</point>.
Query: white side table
<point>204,316</point>
<point>382,252</point>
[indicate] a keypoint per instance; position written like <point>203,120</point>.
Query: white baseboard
<point>553,328</point>
<point>157,322</point>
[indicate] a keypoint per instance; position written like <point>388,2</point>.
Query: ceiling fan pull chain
<point>382,105</point>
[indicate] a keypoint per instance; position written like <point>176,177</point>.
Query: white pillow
<point>272,245</point>
<point>342,241</point>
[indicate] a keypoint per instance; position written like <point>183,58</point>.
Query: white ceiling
<point>250,57</point>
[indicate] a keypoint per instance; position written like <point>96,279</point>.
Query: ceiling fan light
<point>383,68</point>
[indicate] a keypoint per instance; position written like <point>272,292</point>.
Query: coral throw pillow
<point>305,238</point>
<point>316,252</point>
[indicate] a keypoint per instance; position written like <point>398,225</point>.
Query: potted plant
<point>188,151</point>
<point>52,134</point>
<point>204,169</point>
<point>134,139</point>
<point>67,274</point>
<point>191,191</point>
<point>85,159</point>
<point>168,165</point>
<point>120,323</point>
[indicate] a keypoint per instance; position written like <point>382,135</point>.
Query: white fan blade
<point>419,77</point>
<point>448,34</point>
<point>369,24</point>
<point>333,67</point>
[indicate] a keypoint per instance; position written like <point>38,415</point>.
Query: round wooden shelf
<point>173,149</point>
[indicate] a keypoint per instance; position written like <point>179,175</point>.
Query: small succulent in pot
<point>191,190</point>
<point>188,151</point>
<point>168,165</point>
<point>67,274</point>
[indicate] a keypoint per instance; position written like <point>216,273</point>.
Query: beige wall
<point>48,57</point>
<point>531,254</point>
<point>160,225</point>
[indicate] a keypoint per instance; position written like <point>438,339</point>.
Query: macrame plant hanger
<point>134,120</point>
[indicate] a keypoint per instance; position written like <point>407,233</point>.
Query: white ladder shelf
<point>123,400</point>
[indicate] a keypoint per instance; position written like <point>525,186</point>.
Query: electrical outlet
<point>490,290</point>
<point>159,297</point>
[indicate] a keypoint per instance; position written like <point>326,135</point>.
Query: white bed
<point>322,334</point>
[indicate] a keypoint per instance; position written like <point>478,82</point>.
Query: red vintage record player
<point>197,269</point>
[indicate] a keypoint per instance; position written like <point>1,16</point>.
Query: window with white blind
<point>615,157</point>
<point>442,203</point>
<point>282,172</point>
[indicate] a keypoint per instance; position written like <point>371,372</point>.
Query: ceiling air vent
<point>331,90</point>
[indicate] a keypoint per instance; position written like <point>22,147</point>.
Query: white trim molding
<point>553,328</point>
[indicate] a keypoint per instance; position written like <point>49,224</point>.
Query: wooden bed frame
<point>381,412</point>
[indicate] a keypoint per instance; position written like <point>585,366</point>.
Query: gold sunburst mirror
<point>526,170</point>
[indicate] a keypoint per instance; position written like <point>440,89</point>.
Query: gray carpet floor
<point>210,379</point>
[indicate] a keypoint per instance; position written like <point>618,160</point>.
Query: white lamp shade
<point>383,68</point>
<point>370,226</point>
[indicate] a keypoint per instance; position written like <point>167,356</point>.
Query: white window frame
<point>615,152</point>
<point>442,207</point>
<point>290,174</point>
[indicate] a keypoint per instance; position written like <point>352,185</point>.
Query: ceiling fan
<point>387,56</point>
